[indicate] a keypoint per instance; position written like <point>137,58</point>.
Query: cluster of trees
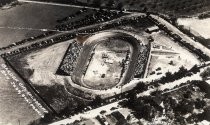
<point>176,105</point>
<point>186,105</point>
<point>183,5</point>
<point>155,5</point>
<point>199,117</point>
<point>187,102</point>
<point>206,73</point>
<point>204,15</point>
<point>143,107</point>
<point>169,77</point>
<point>204,87</point>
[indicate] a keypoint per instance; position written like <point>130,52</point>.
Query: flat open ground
<point>42,64</point>
<point>182,58</point>
<point>105,67</point>
<point>199,27</point>
<point>13,106</point>
<point>35,16</point>
<point>39,69</point>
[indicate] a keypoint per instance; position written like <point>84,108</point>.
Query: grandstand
<point>141,62</point>
<point>68,63</point>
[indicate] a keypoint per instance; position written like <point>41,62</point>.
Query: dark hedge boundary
<point>4,2</point>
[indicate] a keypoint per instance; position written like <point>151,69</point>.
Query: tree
<point>171,63</point>
<point>97,100</point>
<point>168,75</point>
<point>187,94</point>
<point>182,69</point>
<point>206,73</point>
<point>180,120</point>
<point>156,93</point>
<point>184,107</point>
<point>141,87</point>
<point>148,112</point>
<point>195,69</point>
<point>199,104</point>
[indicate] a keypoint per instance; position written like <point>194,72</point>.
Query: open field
<point>170,60</point>
<point>162,39</point>
<point>35,16</point>
<point>9,36</point>
<point>13,106</point>
<point>199,27</point>
<point>39,68</point>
